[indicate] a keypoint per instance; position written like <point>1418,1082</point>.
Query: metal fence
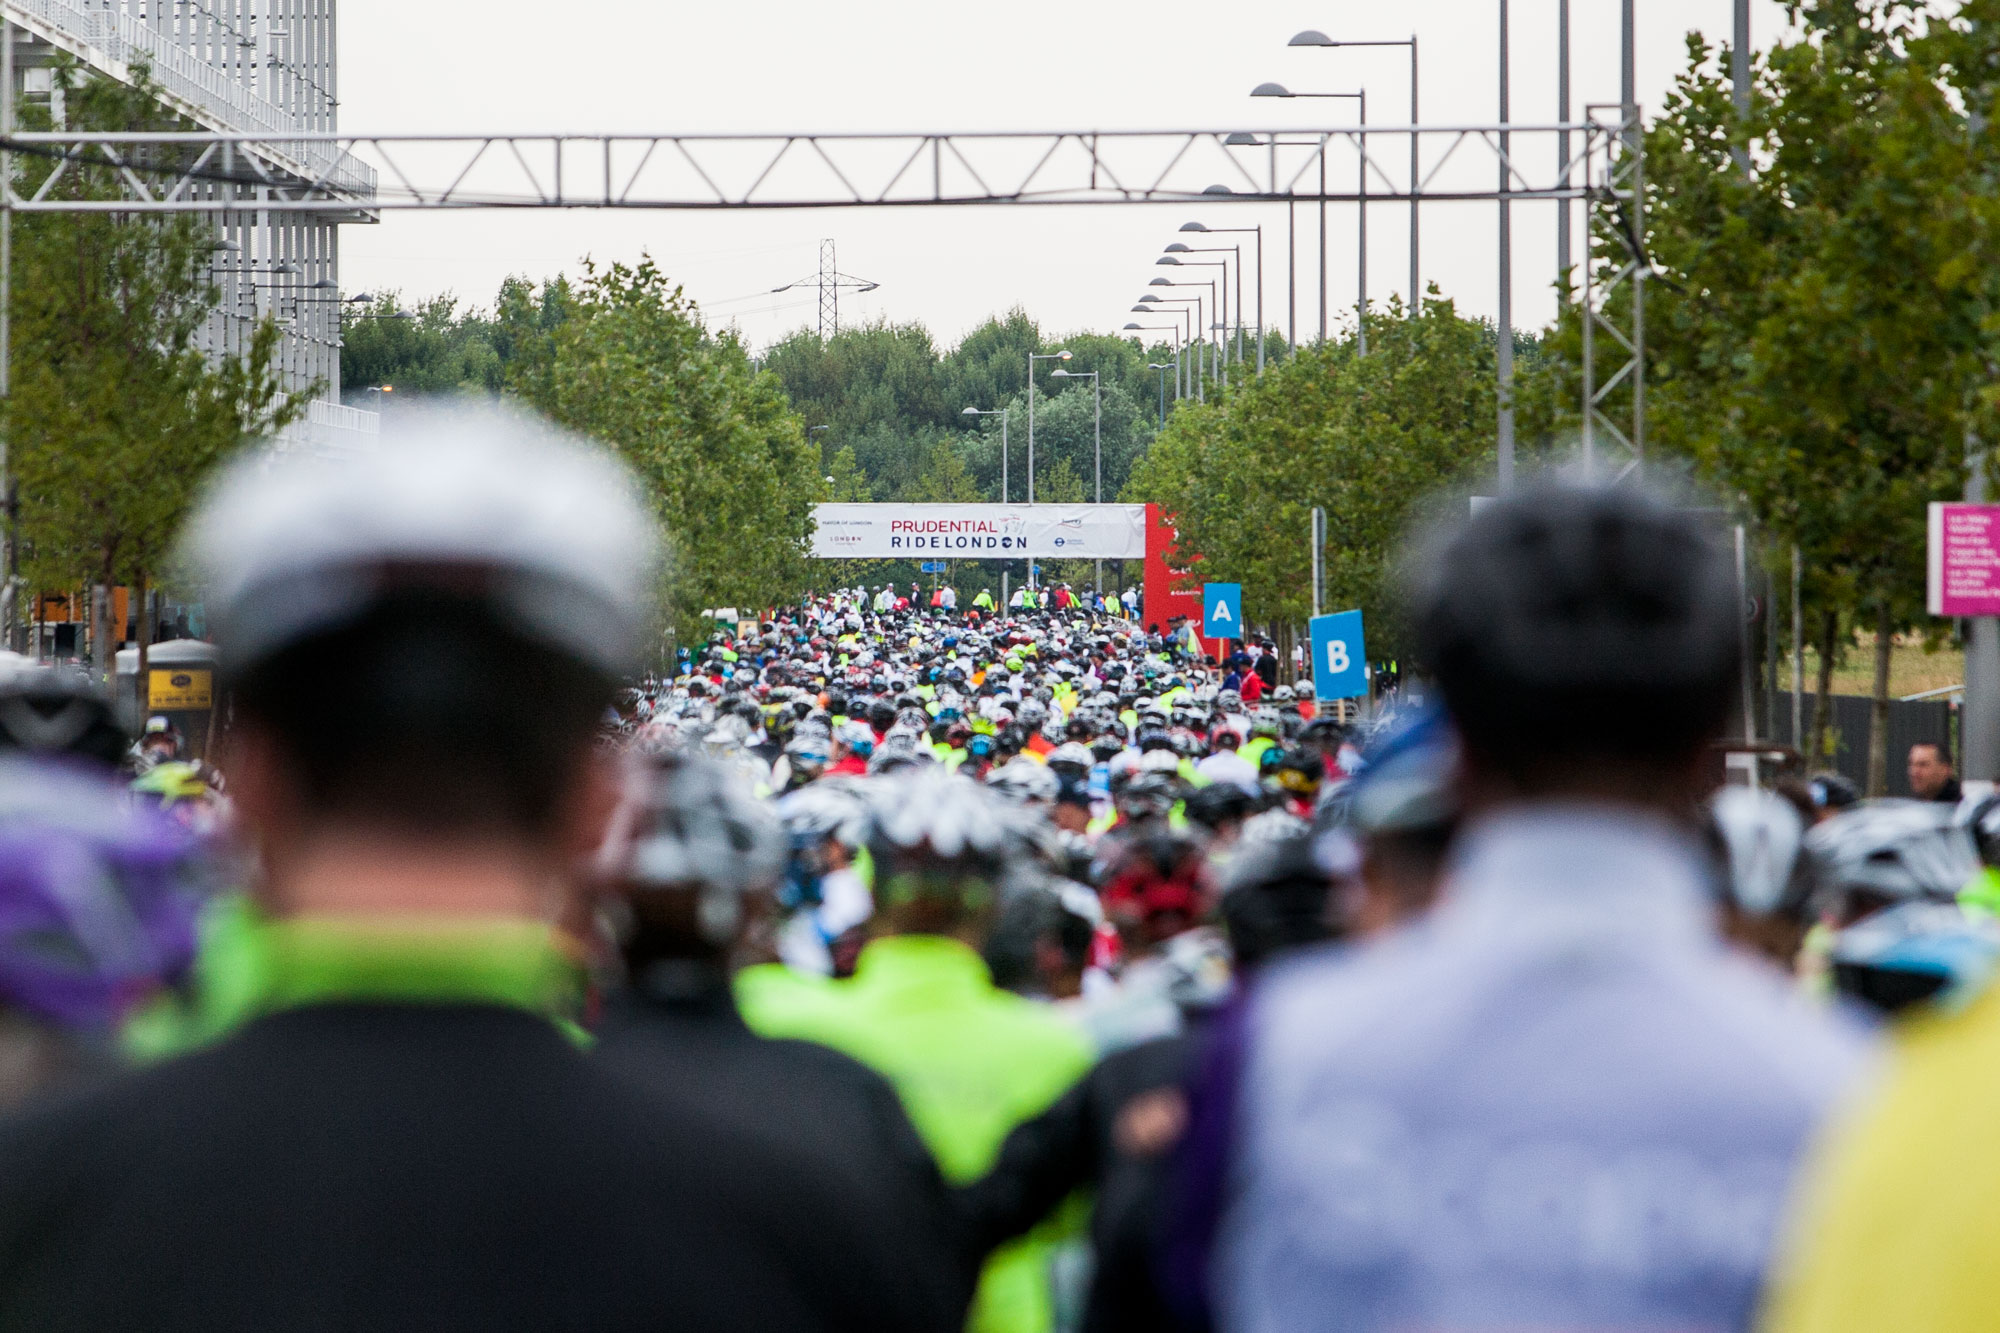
<point>1916,722</point>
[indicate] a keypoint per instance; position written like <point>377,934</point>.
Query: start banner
<point>979,531</point>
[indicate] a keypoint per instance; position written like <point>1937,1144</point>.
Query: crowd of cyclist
<point>938,966</point>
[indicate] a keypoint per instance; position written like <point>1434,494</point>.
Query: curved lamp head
<point>1157,282</point>
<point>1240,139</point>
<point>1218,189</point>
<point>1167,259</point>
<point>1311,37</point>
<point>1177,248</point>
<point>1270,90</point>
<point>1196,226</point>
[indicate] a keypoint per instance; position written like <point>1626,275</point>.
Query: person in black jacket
<point>692,863</point>
<point>418,646</point>
<point>1266,665</point>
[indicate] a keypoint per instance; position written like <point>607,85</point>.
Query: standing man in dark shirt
<point>418,645</point>
<point>1266,665</point>
<point>1931,778</point>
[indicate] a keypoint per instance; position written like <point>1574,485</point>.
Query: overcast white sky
<point>919,65</point>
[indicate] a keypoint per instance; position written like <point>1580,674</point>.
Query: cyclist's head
<point>1155,887</point>
<point>59,712</point>
<point>422,640</point>
<point>98,900</point>
<point>694,857</point>
<point>941,846</point>
<point>1768,885</point>
<point>1586,641</point>
<point>1277,894</point>
<point>1878,854</point>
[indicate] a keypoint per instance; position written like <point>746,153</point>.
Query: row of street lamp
<point>1189,381</point>
<point>1504,367</point>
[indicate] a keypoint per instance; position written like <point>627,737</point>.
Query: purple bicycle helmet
<point>97,896</point>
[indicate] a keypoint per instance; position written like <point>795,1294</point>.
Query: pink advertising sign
<point>1965,560</point>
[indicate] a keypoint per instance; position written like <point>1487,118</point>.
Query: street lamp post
<point>1361,205</point>
<point>1219,308</point>
<point>1274,143</point>
<point>1258,231</point>
<point>1180,332</point>
<point>1163,368</point>
<point>1153,305</point>
<point>1000,412</point>
<point>1183,248</point>
<point>1311,38</point>
<point>1192,374</point>
<point>1096,439</point>
<point>1504,362</point>
<point>1562,148</point>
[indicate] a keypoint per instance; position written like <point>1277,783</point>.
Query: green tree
<point>443,348</point>
<point>1065,428</point>
<point>1060,484</point>
<point>1819,327</point>
<point>870,375</point>
<point>117,416</point>
<point>845,483</point>
<point>434,349</point>
<point>943,477</point>
<point>990,364</point>
<point>723,456</point>
<point>1368,438</point>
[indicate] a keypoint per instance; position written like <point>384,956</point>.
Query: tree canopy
<point>1819,319</point>
<point>1367,438</point>
<point>723,457</point>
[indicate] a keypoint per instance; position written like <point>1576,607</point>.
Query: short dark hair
<point>1572,623</point>
<point>429,713</point>
<point>1943,749</point>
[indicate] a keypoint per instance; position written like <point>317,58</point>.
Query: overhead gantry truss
<point>225,173</point>
<point>199,172</point>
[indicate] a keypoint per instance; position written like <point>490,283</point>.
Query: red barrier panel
<point>1169,591</point>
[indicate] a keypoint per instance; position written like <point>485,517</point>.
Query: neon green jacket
<point>251,966</point>
<point>1982,895</point>
<point>970,1062</point>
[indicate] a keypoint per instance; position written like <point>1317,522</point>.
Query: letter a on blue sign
<point>1222,610</point>
<point>1339,656</point>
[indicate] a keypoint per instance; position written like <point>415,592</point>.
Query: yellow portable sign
<point>173,690</point>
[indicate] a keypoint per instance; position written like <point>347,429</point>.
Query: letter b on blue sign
<point>1340,656</point>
